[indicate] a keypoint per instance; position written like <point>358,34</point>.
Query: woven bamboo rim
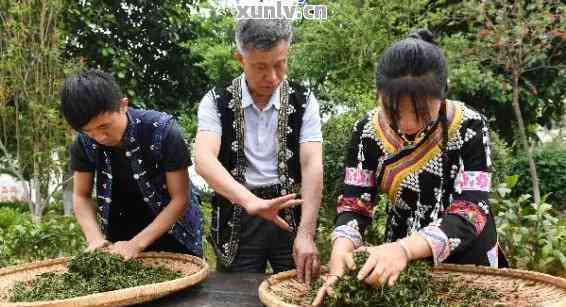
<point>194,270</point>
<point>530,288</point>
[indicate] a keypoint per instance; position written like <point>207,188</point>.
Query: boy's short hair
<point>88,94</point>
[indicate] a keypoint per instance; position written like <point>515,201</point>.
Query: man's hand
<point>268,209</point>
<point>306,258</point>
<point>127,249</point>
<point>97,244</point>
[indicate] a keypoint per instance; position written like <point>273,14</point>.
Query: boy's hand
<point>98,244</point>
<point>126,249</point>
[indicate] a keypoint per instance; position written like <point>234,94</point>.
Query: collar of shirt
<point>247,99</point>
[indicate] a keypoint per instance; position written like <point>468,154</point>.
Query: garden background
<point>507,59</point>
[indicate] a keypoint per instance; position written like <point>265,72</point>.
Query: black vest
<point>143,139</point>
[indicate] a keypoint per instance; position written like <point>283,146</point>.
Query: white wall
<point>11,189</point>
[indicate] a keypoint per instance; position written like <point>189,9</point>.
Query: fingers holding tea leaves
<point>384,261</point>
<point>98,245</point>
<point>349,261</point>
<point>393,279</point>
<point>126,249</point>
<point>376,276</point>
<point>414,286</point>
<point>325,290</point>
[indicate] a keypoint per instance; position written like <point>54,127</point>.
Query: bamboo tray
<point>517,287</point>
<point>193,269</point>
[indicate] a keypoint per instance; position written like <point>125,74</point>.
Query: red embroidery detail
<point>354,204</point>
<point>470,212</point>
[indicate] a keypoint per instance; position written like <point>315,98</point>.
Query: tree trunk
<point>562,125</point>
<point>68,195</point>
<point>523,136</point>
<point>37,201</point>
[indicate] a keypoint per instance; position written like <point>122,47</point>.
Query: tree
<point>214,48</point>
<point>485,85</point>
<point>337,57</point>
<point>32,133</point>
<point>144,44</point>
<point>521,37</point>
<point>215,44</point>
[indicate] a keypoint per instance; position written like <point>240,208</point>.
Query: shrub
<point>17,206</point>
<point>337,132</point>
<point>56,236</point>
<point>550,160</point>
<point>530,235</point>
<point>501,157</point>
<point>11,216</point>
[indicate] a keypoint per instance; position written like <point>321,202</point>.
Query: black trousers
<point>262,241</point>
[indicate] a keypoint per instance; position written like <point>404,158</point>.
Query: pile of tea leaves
<point>88,273</point>
<point>415,287</point>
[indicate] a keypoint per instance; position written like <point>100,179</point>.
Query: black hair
<point>87,95</point>
<point>413,67</point>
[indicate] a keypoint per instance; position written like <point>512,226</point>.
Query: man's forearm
<point>85,212</point>
<point>312,175</point>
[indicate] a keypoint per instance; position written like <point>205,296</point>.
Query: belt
<point>268,191</point>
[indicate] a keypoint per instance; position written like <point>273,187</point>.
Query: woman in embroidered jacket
<point>431,157</point>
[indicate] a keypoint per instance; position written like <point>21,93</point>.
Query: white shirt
<point>260,143</point>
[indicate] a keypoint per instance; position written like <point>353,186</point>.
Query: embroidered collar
<point>400,162</point>
<point>129,139</point>
<point>393,142</point>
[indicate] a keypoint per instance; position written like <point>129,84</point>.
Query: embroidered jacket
<point>441,194</point>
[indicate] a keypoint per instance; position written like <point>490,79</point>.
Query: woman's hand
<point>384,264</point>
<point>339,263</point>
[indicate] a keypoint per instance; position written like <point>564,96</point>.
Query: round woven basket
<point>517,287</point>
<point>193,269</point>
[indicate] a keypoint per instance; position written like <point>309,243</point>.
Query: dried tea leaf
<point>88,273</point>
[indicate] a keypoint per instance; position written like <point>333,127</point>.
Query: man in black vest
<point>259,143</point>
<point>139,159</point>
